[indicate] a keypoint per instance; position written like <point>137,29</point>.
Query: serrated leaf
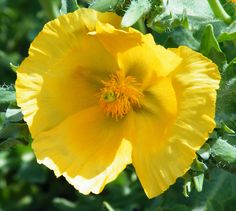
<point>105,5</point>
<point>228,33</point>
<point>7,96</point>
<point>136,10</point>
<point>197,13</point>
<point>196,9</point>
<point>222,151</point>
<point>230,71</point>
<point>167,21</point>
<point>226,101</point>
<point>68,6</point>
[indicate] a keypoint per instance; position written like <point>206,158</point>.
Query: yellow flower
<point>97,97</point>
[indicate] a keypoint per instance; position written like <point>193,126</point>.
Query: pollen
<point>119,95</point>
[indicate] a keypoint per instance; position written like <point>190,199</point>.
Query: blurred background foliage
<point>210,184</point>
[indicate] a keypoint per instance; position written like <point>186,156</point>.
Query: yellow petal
<point>63,72</point>
<point>195,82</point>
<point>137,54</point>
<point>171,146</point>
<point>87,149</point>
<point>160,99</point>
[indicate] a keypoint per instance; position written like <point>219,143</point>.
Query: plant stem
<point>141,26</point>
<point>219,11</point>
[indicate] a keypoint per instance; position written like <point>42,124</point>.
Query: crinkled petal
<point>63,72</point>
<point>137,54</point>
<point>160,100</point>
<point>87,148</point>
<point>164,152</point>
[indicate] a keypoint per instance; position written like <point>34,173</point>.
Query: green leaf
<point>194,8</point>
<point>230,71</point>
<point>182,36</point>
<point>228,33</point>
<point>226,101</point>
<point>2,119</point>
<point>204,151</point>
<point>64,204</point>
<point>15,131</point>
<point>7,96</point>
<point>107,206</point>
<point>9,143</point>
<point>167,21</point>
<point>198,179</point>
<point>136,10</point>
<point>13,114</point>
<point>222,151</point>
<point>197,13</point>
<point>32,172</point>
<point>210,47</point>
<point>216,193</point>
<point>227,129</point>
<point>106,5</point>
<point>14,67</point>
<point>187,187</point>
<point>198,166</point>
<point>209,41</point>
<point>68,6</point>
<point>180,207</point>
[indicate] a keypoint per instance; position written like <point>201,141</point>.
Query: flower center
<point>119,95</point>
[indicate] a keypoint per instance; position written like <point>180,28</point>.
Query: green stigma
<point>109,96</point>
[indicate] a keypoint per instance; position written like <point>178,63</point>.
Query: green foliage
<point>68,6</point>
<point>210,47</point>
<point>192,14</point>
<point>13,129</point>
<point>209,41</point>
<point>207,26</point>
<point>50,7</point>
<point>223,151</point>
<point>137,9</point>
<point>20,22</point>
<point>6,96</point>
<point>229,33</point>
<point>219,11</point>
<point>106,5</point>
<point>219,193</point>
